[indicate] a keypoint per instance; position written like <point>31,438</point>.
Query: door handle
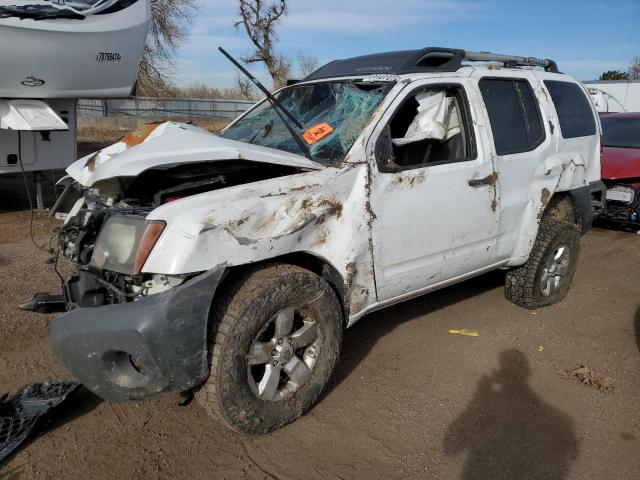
<point>481,182</point>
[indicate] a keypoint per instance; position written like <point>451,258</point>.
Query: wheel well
<point>310,262</point>
<point>562,206</point>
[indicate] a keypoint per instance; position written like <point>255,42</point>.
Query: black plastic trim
<point>140,349</point>
<point>431,59</point>
<point>582,202</point>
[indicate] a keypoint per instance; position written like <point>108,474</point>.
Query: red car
<point>621,167</point>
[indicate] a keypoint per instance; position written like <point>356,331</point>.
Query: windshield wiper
<point>266,129</point>
<point>278,107</point>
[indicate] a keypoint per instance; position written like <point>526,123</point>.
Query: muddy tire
<point>276,338</point>
<point>546,277</point>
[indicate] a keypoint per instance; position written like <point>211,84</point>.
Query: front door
<point>434,191</point>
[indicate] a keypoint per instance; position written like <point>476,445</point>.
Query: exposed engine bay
<point>127,201</point>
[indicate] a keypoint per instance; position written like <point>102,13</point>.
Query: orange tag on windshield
<point>317,133</point>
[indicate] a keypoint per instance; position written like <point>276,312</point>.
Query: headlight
<point>124,243</point>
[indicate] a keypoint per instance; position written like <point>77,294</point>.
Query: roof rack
<point>509,61</point>
<point>431,59</point>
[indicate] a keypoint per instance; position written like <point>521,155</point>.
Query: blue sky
<point>585,37</point>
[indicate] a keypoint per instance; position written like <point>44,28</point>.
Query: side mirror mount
<point>385,157</point>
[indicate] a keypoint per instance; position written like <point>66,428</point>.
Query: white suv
<point>230,264</point>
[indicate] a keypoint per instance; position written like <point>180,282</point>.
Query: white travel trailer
<point>615,95</point>
<point>52,53</point>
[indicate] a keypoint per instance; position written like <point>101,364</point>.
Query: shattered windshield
<point>332,115</point>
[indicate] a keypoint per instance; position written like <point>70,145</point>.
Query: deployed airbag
<point>437,119</point>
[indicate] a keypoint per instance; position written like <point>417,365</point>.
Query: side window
<point>574,111</point>
<point>431,127</point>
<point>513,113</point>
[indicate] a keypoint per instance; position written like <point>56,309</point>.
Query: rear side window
<point>574,112</point>
<point>514,114</point>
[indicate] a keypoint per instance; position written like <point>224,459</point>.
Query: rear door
<point>522,142</point>
<point>579,133</point>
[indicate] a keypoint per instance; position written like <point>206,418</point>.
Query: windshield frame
<point>264,102</point>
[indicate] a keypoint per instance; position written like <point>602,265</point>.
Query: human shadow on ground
<point>509,432</point>
<point>361,338</point>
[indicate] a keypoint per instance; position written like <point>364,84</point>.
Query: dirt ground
<point>409,400</point>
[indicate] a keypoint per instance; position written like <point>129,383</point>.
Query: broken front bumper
<point>140,349</point>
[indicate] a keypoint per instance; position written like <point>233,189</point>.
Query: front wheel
<point>277,338</point>
<point>546,277</point>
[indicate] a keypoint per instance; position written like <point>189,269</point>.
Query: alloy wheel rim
<point>555,269</point>
<point>283,355</point>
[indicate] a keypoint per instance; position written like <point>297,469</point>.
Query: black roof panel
<point>423,60</point>
<point>393,63</point>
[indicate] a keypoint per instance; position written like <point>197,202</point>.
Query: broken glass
<point>345,106</point>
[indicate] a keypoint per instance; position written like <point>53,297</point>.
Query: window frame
<point>555,107</point>
<point>514,80</point>
<point>466,127</point>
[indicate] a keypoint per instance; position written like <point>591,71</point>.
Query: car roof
<point>432,59</point>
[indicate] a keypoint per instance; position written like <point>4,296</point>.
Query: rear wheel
<point>546,277</point>
<point>278,332</point>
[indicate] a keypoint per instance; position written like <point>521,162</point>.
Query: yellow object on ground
<point>464,332</point>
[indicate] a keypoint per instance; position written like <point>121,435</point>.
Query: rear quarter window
<point>513,113</point>
<point>574,112</point>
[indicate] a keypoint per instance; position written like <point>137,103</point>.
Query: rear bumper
<point>140,349</point>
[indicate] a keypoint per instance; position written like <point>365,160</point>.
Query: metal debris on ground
<point>20,415</point>
<point>591,378</point>
<point>465,333</point>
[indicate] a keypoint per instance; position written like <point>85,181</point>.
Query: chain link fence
<point>127,113</point>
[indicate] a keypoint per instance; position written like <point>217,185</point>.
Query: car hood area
<point>620,163</point>
<point>169,144</point>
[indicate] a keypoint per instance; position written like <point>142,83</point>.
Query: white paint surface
<point>390,235</point>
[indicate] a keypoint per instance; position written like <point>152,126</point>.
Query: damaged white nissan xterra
<point>229,265</point>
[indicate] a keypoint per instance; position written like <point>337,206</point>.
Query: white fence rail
<point>165,108</point>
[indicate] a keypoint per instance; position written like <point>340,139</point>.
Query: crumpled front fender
<point>322,213</point>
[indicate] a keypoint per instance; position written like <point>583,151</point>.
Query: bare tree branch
<point>259,20</point>
<point>634,68</point>
<point>170,20</point>
<point>307,64</point>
